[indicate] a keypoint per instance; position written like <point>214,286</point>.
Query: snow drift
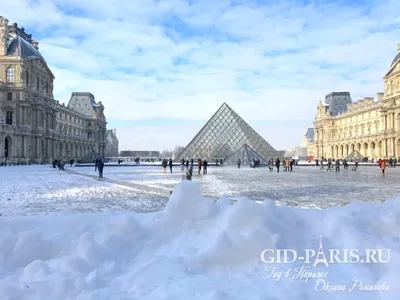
<point>196,249</point>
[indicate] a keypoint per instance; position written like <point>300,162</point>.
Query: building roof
<point>18,46</point>
<point>310,134</point>
<point>395,60</point>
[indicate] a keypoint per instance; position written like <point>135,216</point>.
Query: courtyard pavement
<point>28,190</point>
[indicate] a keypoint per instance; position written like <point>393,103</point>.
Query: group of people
<point>201,165</point>
<point>336,163</point>
<point>383,163</point>
<point>164,165</point>
<point>287,164</point>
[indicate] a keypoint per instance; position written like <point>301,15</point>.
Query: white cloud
<point>270,62</point>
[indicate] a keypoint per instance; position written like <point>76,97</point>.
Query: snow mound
<point>197,249</point>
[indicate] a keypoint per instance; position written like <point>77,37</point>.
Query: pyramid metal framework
<point>225,134</point>
<point>91,157</point>
<point>354,155</point>
<point>246,156</point>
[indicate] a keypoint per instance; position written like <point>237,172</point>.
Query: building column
<point>393,147</point>
<point>385,147</point>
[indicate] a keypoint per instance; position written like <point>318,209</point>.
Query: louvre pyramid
<point>246,156</point>
<point>354,155</point>
<point>223,135</point>
<point>91,157</point>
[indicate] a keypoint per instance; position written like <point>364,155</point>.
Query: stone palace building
<point>34,127</point>
<point>369,126</point>
<point>111,143</point>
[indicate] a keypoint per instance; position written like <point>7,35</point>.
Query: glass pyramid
<point>223,135</point>
<point>355,155</point>
<point>246,155</point>
<point>91,157</point>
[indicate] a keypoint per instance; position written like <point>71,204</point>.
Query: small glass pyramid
<point>223,135</point>
<point>246,155</point>
<point>355,155</point>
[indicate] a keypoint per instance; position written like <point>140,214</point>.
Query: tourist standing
<point>277,164</point>
<point>164,166</point>
<point>199,166</point>
<point>100,166</point>
<point>170,165</point>
<point>187,164</point>
<point>337,165</point>
<point>291,163</point>
<point>329,165</point>
<point>239,162</point>
<point>182,164</point>
<point>205,164</point>
<point>383,166</point>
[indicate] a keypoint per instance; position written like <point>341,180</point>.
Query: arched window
<point>27,77</point>
<point>37,82</point>
<point>10,74</point>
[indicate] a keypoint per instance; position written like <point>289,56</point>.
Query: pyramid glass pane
<point>355,155</point>
<point>246,155</point>
<point>223,135</point>
<point>91,157</point>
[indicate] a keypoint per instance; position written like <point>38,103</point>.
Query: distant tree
<point>166,154</point>
<point>178,149</point>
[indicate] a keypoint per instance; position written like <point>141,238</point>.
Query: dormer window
<point>10,74</point>
<point>27,77</point>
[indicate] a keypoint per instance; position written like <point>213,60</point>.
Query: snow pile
<point>198,249</point>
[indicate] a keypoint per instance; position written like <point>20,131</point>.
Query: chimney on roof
<point>35,44</point>
<point>3,36</point>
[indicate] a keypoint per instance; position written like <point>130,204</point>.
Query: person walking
<point>277,164</point>
<point>100,166</point>
<point>164,166</point>
<point>337,165</point>
<point>170,165</point>
<point>383,166</point>
<point>199,166</point>
<point>205,164</point>
<point>182,164</point>
<point>239,162</point>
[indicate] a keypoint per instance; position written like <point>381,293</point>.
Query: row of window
<point>10,77</point>
<point>75,120</point>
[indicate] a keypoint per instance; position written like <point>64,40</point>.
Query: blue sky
<point>162,68</point>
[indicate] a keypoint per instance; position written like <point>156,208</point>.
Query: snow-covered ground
<point>304,187</point>
<point>198,249</point>
<point>28,190</point>
<point>195,248</point>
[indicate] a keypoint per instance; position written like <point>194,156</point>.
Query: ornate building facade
<point>307,142</point>
<point>34,127</point>
<point>111,143</point>
<point>369,126</point>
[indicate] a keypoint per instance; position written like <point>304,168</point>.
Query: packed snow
<point>197,249</point>
<point>87,239</point>
<point>304,187</point>
<point>31,190</point>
